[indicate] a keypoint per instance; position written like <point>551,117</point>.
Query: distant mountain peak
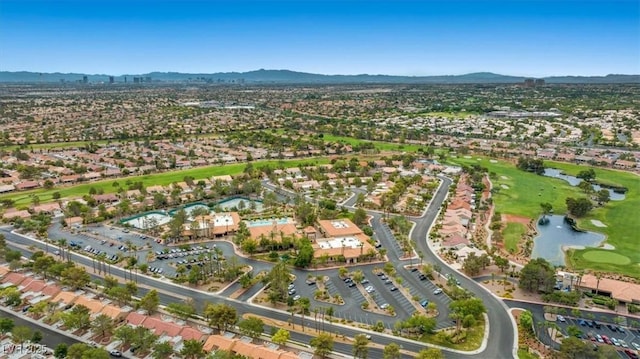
<point>284,76</point>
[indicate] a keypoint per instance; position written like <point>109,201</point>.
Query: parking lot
<point>603,333</point>
<point>115,241</point>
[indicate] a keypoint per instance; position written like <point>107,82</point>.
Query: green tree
<point>281,337</point>
<point>391,351</point>
<point>278,278</point>
<point>359,216</point>
<point>572,347</point>
<point>150,302</point>
<point>95,353</point>
<point>21,334</point>
<point>430,353</point>
<point>192,349</point>
<point>120,295</point>
<point>77,318</point>
<point>60,352</point>
<point>604,196</point>
<point>162,350</point>
<point>183,310</point>
<point>11,296</point>
<point>6,325</point>
<point>578,207</point>
<point>305,253</point>
<point>222,316</point>
<point>323,344</point>
<point>537,275</point>
<point>75,277</point>
<point>103,324</point>
<point>252,327</point>
<point>125,334</point>
<point>360,346</point>
<point>77,350</point>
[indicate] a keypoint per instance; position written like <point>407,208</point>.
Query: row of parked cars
<point>182,252</point>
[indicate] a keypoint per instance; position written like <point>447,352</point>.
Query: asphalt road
<point>503,343</point>
<point>50,338</point>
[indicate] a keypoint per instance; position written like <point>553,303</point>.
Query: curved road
<point>501,336</point>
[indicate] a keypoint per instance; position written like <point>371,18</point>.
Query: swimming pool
<point>267,222</point>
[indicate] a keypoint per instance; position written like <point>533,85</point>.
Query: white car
<point>370,289</point>
<point>437,291</point>
<point>561,318</point>
<point>384,306</point>
<point>636,345</point>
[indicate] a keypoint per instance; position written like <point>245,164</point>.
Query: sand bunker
<point>608,247</point>
<point>597,223</point>
<point>504,177</point>
<point>504,186</point>
<point>493,161</point>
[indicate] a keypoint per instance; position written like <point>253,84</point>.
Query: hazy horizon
<point>404,38</point>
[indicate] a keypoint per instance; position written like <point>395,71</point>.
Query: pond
<point>558,234</point>
<point>574,181</point>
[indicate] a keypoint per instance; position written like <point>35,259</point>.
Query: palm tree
<point>598,277</point>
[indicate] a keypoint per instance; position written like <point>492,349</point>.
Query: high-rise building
<point>529,82</point>
<point>85,79</point>
<point>539,82</point>
<point>111,80</point>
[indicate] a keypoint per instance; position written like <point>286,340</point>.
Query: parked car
<point>599,338</point>
<point>437,291</point>
<point>115,353</point>
<point>561,319</point>
<point>424,303</point>
<point>615,342</point>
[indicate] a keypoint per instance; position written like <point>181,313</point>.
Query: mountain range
<point>292,77</point>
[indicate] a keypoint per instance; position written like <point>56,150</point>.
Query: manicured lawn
<point>449,115</point>
<point>472,341</point>
<point>520,192</point>
<point>605,256</point>
<point>526,191</point>
<point>380,145</point>
<point>512,234</point>
<point>165,178</point>
<point>73,144</point>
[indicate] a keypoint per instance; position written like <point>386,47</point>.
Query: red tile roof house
<point>13,278</point>
<point>189,333</point>
<point>13,213</point>
<point>162,328</point>
<point>135,318</point>
<point>27,185</point>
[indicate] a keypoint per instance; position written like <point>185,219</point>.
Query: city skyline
<point>406,38</point>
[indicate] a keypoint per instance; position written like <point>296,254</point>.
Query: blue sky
<point>518,37</point>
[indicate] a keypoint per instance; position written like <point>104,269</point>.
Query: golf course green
<point>520,193</point>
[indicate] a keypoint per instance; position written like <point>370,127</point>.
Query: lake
<point>557,234</point>
<point>574,181</point>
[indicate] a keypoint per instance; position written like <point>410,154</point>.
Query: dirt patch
<point>517,219</point>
